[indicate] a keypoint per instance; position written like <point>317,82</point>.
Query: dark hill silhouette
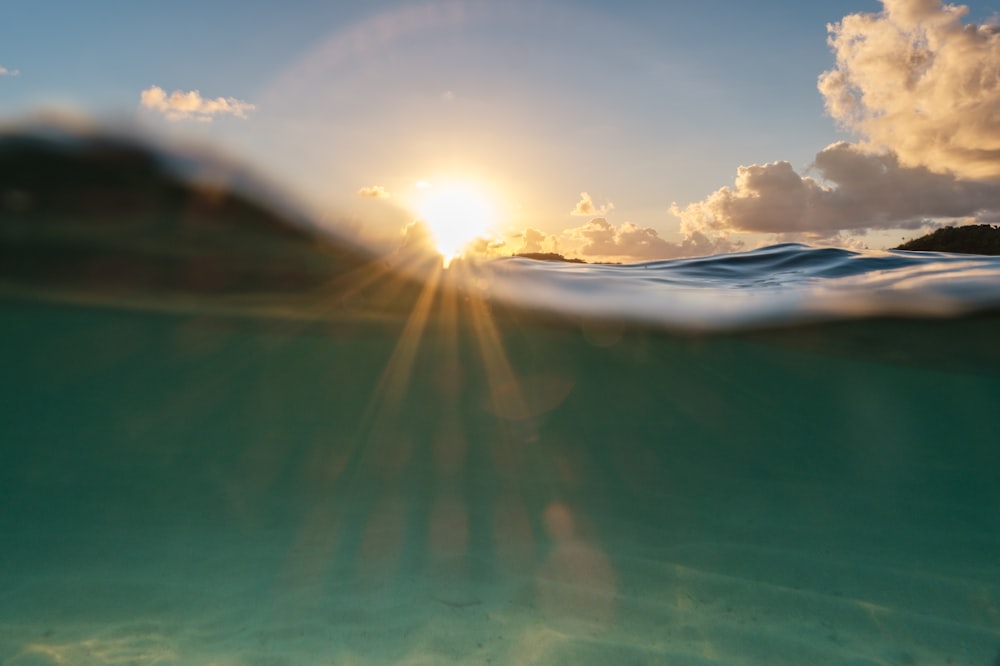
<point>969,239</point>
<point>100,212</point>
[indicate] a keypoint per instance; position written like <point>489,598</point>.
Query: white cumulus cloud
<point>8,72</point>
<point>915,80</point>
<point>190,105</point>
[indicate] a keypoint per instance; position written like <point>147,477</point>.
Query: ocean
<point>227,439</point>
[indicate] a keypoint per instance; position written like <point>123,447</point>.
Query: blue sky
<point>641,105</point>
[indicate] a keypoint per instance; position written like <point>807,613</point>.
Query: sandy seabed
<point>389,587</point>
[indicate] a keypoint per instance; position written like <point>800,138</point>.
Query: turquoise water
<point>787,456</point>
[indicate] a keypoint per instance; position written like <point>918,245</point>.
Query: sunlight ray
<point>506,396</point>
<point>368,446</point>
<point>396,376</point>
<point>381,412</point>
<point>449,439</point>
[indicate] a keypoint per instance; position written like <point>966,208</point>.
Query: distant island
<point>548,256</point>
<point>969,239</point>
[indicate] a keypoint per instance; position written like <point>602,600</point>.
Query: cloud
<point>485,247</point>
<point>373,192</point>
<point>914,80</point>
<point>585,207</point>
<point>600,240</point>
<point>8,72</point>
<point>630,242</point>
<point>191,105</point>
<point>417,235</point>
<point>856,190</point>
<point>533,240</point>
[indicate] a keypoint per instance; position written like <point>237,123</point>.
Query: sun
<point>456,214</point>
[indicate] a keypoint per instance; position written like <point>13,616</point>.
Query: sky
<point>617,131</point>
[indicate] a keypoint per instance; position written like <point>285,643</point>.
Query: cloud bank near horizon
<point>179,105</point>
<point>856,191</point>
<point>601,240</point>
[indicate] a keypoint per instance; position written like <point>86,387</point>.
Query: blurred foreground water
<point>229,438</point>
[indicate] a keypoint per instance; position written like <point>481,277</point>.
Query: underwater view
<point>535,332</point>
<point>298,452</point>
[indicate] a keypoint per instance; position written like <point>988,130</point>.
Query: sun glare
<point>456,214</point>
